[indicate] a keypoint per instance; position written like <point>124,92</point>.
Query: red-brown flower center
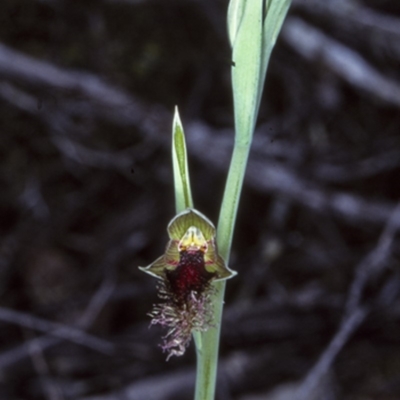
<point>189,276</point>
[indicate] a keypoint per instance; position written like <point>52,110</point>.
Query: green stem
<point>230,202</point>
<point>252,36</point>
<point>207,343</point>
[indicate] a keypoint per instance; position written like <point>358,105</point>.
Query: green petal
<point>156,268</point>
<point>172,254</point>
<point>211,254</point>
<point>220,269</point>
<point>187,218</point>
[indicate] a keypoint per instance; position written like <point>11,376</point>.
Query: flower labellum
<point>186,270</point>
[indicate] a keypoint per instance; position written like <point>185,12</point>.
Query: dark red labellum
<point>189,276</point>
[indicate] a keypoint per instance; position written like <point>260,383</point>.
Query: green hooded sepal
<point>189,231</point>
<point>180,224</point>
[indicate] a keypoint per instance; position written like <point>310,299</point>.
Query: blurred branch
<point>96,304</point>
<point>348,326</point>
<point>353,14</point>
<point>315,46</point>
<point>177,383</point>
<point>374,262</point>
<point>376,164</point>
<point>154,388</point>
<point>111,103</point>
<point>56,329</point>
<point>266,176</point>
<point>85,96</point>
<point>121,161</point>
<point>354,312</point>
<point>50,389</point>
<point>278,178</point>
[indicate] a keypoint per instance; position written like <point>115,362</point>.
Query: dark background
<point>87,90</point>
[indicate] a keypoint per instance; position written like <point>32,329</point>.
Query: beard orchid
<point>186,271</point>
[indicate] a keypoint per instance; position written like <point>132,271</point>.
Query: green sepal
<point>187,218</point>
<point>220,269</point>
<point>156,268</point>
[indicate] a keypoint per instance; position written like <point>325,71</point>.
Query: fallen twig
<point>96,304</point>
<point>314,45</point>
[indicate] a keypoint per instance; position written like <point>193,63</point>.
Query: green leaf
<point>253,37</point>
<point>235,14</point>
<point>275,15</point>
<point>245,25</point>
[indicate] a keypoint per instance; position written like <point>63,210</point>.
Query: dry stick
<point>372,264</point>
<point>56,329</point>
<point>354,313</point>
<point>96,304</point>
<point>383,161</point>
<point>113,103</point>
<point>348,326</point>
<point>273,177</point>
<point>352,15</point>
<point>159,387</point>
<point>263,176</point>
<point>167,385</point>
<point>50,389</point>
<point>314,45</point>
<point>124,109</point>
